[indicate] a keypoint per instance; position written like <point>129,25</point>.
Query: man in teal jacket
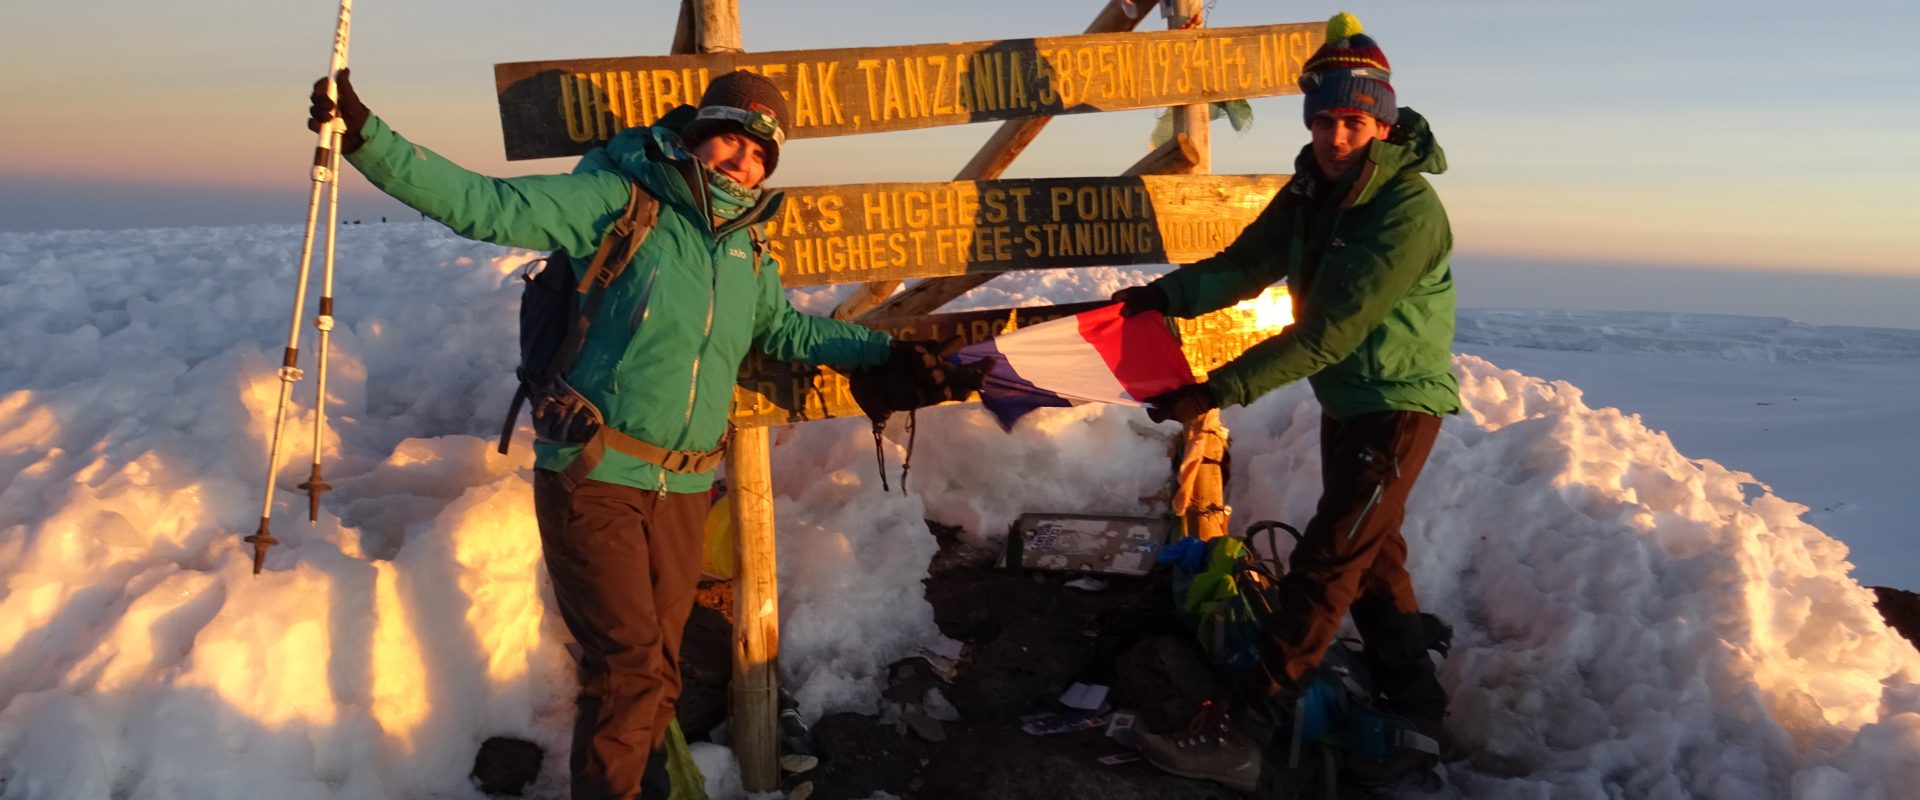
<point>1362,240</point>
<point>623,539</point>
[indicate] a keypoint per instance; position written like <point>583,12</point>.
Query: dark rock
<point>909,679</point>
<point>506,765</point>
<point>1028,637</point>
<point>1022,669</point>
<point>1901,609</point>
<point>999,762</point>
<point>1166,678</point>
<point>706,669</point>
<point>859,757</point>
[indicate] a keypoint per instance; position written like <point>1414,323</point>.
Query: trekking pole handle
<point>339,58</point>
<point>331,133</point>
<point>337,61</point>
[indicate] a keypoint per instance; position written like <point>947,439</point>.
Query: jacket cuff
<point>1228,389</point>
<point>878,347</point>
<point>1174,290</point>
<point>375,138</point>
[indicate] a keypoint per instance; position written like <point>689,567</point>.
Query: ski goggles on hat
<point>758,123</point>
<point>1312,80</point>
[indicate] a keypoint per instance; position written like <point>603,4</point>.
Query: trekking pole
<point>324,164</point>
<point>323,322</point>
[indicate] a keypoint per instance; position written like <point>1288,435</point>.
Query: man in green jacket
<point>623,536</point>
<point>1362,240</point>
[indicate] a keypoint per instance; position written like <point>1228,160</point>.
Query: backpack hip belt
<point>676,461</point>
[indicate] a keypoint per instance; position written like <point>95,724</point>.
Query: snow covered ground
<point>1639,614</point>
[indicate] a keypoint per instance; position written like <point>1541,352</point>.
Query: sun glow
<point>1272,309</point>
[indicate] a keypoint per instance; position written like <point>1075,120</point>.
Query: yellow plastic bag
<point>720,560</point>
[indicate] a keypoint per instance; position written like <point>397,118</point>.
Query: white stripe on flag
<point>1053,356</point>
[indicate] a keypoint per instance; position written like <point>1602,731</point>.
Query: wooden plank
<point>564,107</point>
<point>1007,143</point>
<point>778,393</point>
<point>858,233</point>
<point>1201,500</point>
<point>1175,156</point>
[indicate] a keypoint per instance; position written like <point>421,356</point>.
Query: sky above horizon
<point>1761,135</point>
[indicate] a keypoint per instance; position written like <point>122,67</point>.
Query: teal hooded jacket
<point>1366,265</point>
<point>664,350</point>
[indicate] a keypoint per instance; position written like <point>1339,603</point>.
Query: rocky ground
<point>1028,637</point>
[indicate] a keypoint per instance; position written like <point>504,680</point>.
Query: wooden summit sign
<point>778,393</point>
<point>561,108</point>
<point>857,233</point>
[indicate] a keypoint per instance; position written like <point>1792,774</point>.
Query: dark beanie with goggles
<point>1349,73</point>
<point>741,102</point>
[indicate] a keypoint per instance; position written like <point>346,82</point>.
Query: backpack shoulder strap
<point>621,241</point>
<point>617,248</point>
<point>618,245</point>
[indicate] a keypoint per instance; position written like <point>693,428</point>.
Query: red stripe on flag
<point>1140,350</point>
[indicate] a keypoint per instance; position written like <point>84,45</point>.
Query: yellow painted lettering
<point>1062,198</point>
<point>871,66</point>
<point>918,104</point>
<point>940,95</point>
<point>1109,78</point>
<point>806,108</point>
<point>830,206</point>
<point>666,91</point>
<point>892,105</point>
<point>830,91</point>
<point>1016,82</point>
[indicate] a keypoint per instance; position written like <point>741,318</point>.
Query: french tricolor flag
<point>1097,356</point>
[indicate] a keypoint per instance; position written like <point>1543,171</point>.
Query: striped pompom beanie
<point>1349,73</point>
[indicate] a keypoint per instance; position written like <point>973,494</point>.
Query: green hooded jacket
<point>1366,262</point>
<point>664,350</point>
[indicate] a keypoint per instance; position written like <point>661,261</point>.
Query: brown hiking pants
<point>1352,557</point>
<point>624,564</point>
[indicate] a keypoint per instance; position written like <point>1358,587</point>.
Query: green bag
<point>688,783</point>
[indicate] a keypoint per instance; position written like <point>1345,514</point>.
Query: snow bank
<point>1630,622</point>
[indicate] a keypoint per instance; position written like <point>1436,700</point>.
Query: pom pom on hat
<point>1343,25</point>
<point>1349,72</point>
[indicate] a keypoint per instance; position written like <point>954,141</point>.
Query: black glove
<point>916,374</point>
<point>1184,404</point>
<point>349,108</point>
<point>1135,299</point>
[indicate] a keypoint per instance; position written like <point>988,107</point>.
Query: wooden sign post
<point>1204,495</point>
<point>1165,209</point>
<point>713,26</point>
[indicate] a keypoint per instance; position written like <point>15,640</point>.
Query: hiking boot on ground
<point>1418,751</point>
<point>1435,728</point>
<point>1209,749</point>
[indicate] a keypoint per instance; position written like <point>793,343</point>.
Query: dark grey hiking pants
<point>624,564</point>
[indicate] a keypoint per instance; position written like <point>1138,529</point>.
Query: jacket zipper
<point>713,294</point>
